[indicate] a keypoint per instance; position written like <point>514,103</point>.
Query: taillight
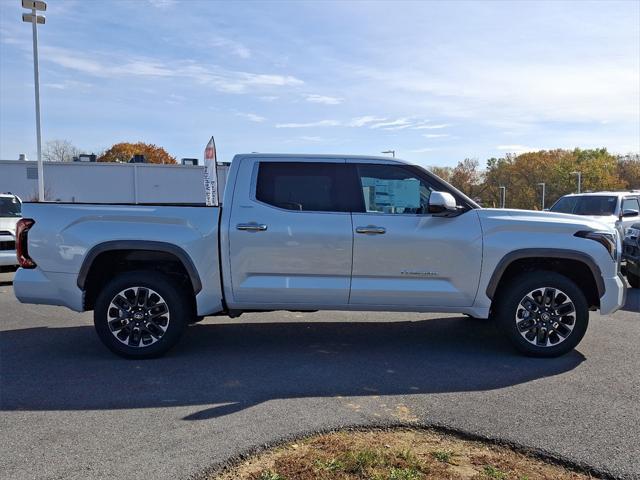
<point>22,250</point>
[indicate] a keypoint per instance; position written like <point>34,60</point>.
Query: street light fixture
<point>392,152</point>
<point>579,174</point>
<point>543,192</point>
<point>503,196</point>
<point>34,19</point>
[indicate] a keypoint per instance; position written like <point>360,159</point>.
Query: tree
<point>59,151</point>
<point>122,152</point>
<point>443,172</point>
<point>466,178</point>
<point>629,170</point>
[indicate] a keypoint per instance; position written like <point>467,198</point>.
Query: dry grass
<point>394,455</point>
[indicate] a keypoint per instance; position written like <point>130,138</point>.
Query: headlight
<point>608,240</point>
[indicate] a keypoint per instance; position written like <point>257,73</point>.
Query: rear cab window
<point>308,186</point>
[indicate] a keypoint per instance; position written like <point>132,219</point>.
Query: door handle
<point>371,229</point>
<point>252,227</point>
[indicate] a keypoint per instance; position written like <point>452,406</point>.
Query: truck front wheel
<point>142,314</point>
<point>544,314</point>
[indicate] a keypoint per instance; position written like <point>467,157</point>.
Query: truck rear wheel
<point>544,314</point>
<point>142,314</point>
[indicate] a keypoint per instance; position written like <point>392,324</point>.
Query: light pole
<point>392,152</point>
<point>35,19</point>
<point>543,192</point>
<point>503,196</point>
<point>579,174</point>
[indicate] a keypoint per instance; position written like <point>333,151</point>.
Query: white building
<point>89,182</point>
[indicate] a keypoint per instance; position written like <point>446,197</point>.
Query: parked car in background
<point>10,213</point>
<point>320,232</point>
<point>631,253</point>
<point>617,209</point>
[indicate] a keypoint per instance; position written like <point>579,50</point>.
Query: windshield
<point>10,207</point>
<point>587,205</point>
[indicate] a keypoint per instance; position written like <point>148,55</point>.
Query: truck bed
<point>66,235</point>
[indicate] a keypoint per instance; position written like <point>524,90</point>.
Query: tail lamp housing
<point>22,248</point>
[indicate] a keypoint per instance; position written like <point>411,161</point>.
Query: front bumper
<point>615,294</point>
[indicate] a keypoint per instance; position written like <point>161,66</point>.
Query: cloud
<point>436,135</point>
<point>67,84</point>
<point>162,4</point>
<point>311,139</point>
<point>320,123</point>
<point>252,117</point>
<point>517,148</point>
<point>227,81</point>
<point>325,100</point>
<point>432,127</point>
<point>232,46</point>
<point>398,124</point>
<point>365,120</point>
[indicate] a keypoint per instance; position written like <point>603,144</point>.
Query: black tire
<point>539,319</point>
<point>158,331</point>
<point>633,279</point>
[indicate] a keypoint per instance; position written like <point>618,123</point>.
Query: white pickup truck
<point>319,232</point>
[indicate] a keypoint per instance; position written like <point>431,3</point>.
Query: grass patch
<point>269,475</point>
<point>443,456</point>
<point>394,455</point>
<point>492,472</point>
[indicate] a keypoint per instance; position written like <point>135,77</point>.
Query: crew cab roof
<point>315,156</point>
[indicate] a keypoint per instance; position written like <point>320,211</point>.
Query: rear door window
<point>309,186</point>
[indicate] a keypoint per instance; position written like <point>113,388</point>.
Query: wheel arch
<point>110,255</point>
<point>578,266</point>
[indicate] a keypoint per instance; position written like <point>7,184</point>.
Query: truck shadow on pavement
<point>236,366</point>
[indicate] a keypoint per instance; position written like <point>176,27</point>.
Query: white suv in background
<point>10,213</point>
<point>616,209</point>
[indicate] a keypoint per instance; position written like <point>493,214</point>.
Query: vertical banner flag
<point>210,174</point>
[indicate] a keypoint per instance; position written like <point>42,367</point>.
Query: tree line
<point>521,175</point>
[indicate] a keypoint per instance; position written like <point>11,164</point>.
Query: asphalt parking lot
<point>72,410</point>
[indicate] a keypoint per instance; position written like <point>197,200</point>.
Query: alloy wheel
<point>138,316</point>
<point>545,317</point>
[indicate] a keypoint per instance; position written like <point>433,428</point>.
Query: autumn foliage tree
<point>122,152</point>
<point>522,175</point>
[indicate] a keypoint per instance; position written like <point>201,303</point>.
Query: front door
<point>290,235</point>
<point>403,256</point>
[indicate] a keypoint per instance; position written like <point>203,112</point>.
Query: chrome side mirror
<point>442,202</point>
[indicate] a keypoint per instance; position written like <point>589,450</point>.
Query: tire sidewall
<point>510,297</point>
<point>176,299</point>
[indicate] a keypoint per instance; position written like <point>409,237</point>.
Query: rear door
<point>404,256</point>
<point>290,233</point>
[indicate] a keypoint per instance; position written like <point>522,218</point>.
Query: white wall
<point>108,182</point>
